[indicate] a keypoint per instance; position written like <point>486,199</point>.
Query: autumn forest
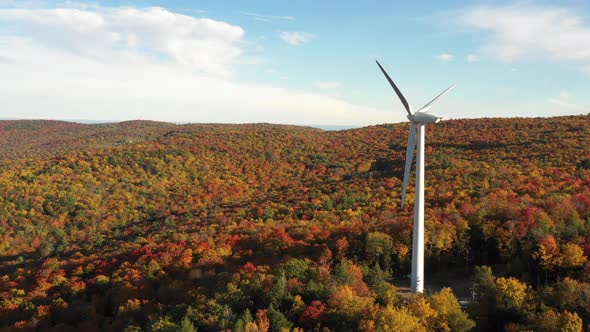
<point>149,226</point>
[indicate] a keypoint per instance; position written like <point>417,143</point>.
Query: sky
<point>303,62</point>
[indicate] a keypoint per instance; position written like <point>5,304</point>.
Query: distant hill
<point>42,138</point>
<point>45,138</point>
<point>142,225</point>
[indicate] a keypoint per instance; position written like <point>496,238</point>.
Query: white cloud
<point>296,38</point>
<point>522,30</point>
<point>268,18</point>
<point>445,57</point>
<point>50,83</point>
<point>564,101</point>
<point>327,85</point>
<point>4,59</point>
<point>472,58</point>
<point>62,76</point>
<point>201,44</point>
<point>126,63</point>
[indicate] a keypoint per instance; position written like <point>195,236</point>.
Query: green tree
<point>242,322</point>
<point>378,249</point>
<point>186,325</point>
<point>278,321</point>
<point>296,268</point>
<point>164,324</point>
<point>485,291</point>
<point>483,279</point>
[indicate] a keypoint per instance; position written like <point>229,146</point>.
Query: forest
<point>148,226</point>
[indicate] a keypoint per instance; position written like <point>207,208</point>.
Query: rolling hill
<point>155,226</point>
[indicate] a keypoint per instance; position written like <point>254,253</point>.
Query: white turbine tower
<point>418,121</point>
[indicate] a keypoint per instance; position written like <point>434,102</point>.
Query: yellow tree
<point>398,319</point>
<point>572,256</point>
<point>550,321</point>
<point>419,307</point>
<point>349,306</point>
<point>510,293</point>
<point>570,322</point>
<point>450,316</point>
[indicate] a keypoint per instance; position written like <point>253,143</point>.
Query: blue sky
<point>296,62</point>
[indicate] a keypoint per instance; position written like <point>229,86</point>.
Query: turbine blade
<point>427,106</point>
<point>409,158</point>
<point>399,93</point>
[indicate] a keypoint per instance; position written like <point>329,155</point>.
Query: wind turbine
<point>418,121</point>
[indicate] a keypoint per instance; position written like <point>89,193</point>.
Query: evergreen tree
<point>186,325</point>
<point>278,321</point>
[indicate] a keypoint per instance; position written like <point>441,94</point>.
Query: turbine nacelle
<point>424,118</point>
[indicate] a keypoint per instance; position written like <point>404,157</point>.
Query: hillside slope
<point>46,138</point>
<point>95,233</point>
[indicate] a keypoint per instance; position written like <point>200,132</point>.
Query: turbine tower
<point>418,121</point>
